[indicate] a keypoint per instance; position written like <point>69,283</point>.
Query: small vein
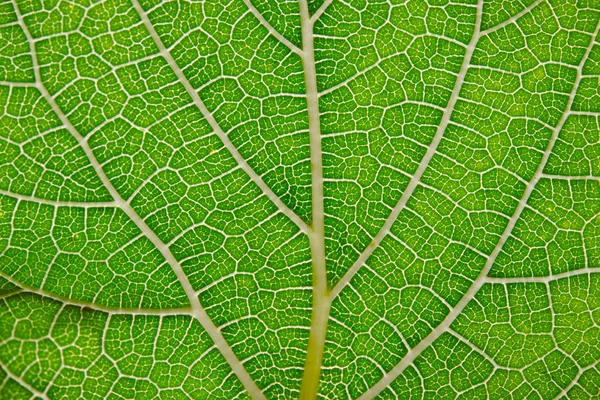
<point>544,279</point>
<point>575,381</point>
<point>8,294</point>
<point>271,29</point>
<point>511,19</point>
<point>320,11</point>
<point>571,178</point>
<point>474,348</point>
<point>27,386</point>
<point>18,84</point>
<point>58,203</point>
<point>93,306</point>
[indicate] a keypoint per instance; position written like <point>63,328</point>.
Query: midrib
<point>321,298</point>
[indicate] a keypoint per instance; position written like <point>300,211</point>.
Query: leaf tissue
<point>279,199</point>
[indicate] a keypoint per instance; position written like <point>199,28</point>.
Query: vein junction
<point>346,202</point>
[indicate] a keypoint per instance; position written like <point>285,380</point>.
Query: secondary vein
<point>482,277</point>
<point>271,29</point>
<point>197,310</point>
<point>215,125</point>
<point>415,179</point>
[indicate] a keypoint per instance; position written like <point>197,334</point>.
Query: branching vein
<point>198,311</point>
<point>482,277</point>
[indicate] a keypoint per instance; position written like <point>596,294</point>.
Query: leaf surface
<point>314,199</point>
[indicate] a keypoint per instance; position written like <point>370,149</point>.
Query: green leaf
<point>300,199</point>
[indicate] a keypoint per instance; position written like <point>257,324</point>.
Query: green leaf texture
<point>279,199</point>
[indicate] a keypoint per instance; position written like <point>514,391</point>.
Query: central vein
<point>321,300</point>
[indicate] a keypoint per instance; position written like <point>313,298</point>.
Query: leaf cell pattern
<point>335,199</point>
